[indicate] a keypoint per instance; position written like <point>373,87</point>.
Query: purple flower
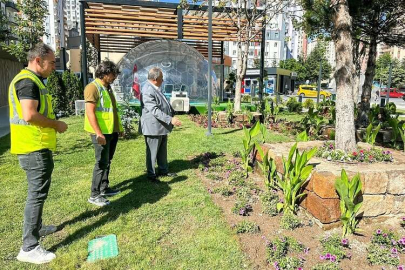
<point>393,242</point>
<point>345,242</point>
<point>403,218</point>
<point>299,268</point>
<point>349,255</point>
<point>378,231</point>
<point>209,190</point>
<point>394,251</point>
<point>306,250</point>
<point>322,257</point>
<point>333,258</point>
<point>401,267</point>
<point>327,256</point>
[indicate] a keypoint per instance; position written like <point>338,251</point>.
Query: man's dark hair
<point>38,50</point>
<point>106,67</point>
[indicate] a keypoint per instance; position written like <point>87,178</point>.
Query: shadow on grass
<point>229,131</point>
<point>142,191</point>
<point>4,144</point>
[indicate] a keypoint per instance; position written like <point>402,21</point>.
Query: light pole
<point>209,65</point>
<point>389,84</point>
<point>319,83</point>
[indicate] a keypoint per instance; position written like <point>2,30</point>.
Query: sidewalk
<point>4,121</point>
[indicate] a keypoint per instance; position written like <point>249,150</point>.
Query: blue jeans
<point>38,167</point>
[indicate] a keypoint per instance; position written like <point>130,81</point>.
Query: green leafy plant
<point>249,141</point>
<point>216,100</point>
<point>129,118</point>
<point>294,176</point>
<point>401,131</point>
<point>326,266</point>
<point>223,191</point>
<point>302,137</point>
<point>242,208</point>
<point>333,248</point>
<point>309,103</point>
<point>269,201</point>
<point>289,221</point>
<point>381,255</point>
<point>279,249</point>
<point>371,133</point>
<point>293,105</point>
<point>229,111</point>
<point>349,191</point>
<point>268,168</point>
<point>247,227</point>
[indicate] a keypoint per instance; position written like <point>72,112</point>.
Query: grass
<point>172,225</point>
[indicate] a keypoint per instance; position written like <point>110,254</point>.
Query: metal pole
<point>209,65</point>
<point>319,82</point>
<point>389,84</point>
<point>84,46</point>
<point>61,5</point>
<point>262,52</point>
<point>221,83</point>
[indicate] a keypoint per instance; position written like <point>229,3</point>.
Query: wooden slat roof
<point>118,26</point>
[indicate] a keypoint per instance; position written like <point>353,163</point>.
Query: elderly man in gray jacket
<point>157,121</point>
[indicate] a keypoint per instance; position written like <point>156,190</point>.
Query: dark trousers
<point>156,150</point>
<point>38,167</point>
<point>104,154</point>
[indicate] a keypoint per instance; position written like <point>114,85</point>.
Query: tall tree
<point>296,66</point>
<point>382,71</point>
<point>4,28</point>
<point>313,61</point>
<point>29,28</point>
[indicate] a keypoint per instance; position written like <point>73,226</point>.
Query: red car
<point>394,93</point>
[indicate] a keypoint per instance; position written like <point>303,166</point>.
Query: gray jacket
<point>157,112</point>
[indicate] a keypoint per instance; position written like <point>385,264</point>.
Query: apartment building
<point>56,31</point>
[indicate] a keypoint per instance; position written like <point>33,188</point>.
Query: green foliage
<point>289,221</point>
<point>293,105</point>
<point>249,141</point>
<point>295,65</point>
<point>382,70</point>
<point>312,63</point>
<point>242,208</point>
<point>216,100</point>
<point>333,245</point>
<point>279,249</point>
<point>268,168</point>
<point>29,28</point>
<point>371,134</point>
<point>401,131</point>
<point>65,88</point>
<point>4,25</point>
<point>247,227</point>
<point>269,201</point>
<point>246,98</point>
<point>381,255</point>
<point>326,266</point>
<point>229,111</point>
<point>309,103</point>
<point>349,191</point>
<point>313,122</point>
<point>295,174</point>
<point>302,137</point>
<point>223,191</point>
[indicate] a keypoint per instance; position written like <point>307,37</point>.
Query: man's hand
<point>61,126</point>
<point>101,139</point>
<point>176,121</point>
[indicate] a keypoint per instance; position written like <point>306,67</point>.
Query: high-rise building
<point>330,53</point>
<point>10,11</point>
<point>282,41</point>
<point>72,8</point>
<point>55,32</point>
<point>394,51</point>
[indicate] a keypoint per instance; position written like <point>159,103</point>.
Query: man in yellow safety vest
<point>104,124</point>
<point>33,138</point>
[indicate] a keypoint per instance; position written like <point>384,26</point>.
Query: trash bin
<point>333,97</point>
<point>300,98</point>
<point>382,102</point>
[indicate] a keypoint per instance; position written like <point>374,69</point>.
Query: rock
<point>323,184</point>
<point>374,182</point>
<point>396,184</point>
<point>325,210</point>
<point>373,205</point>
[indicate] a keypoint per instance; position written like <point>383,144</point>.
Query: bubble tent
<point>183,67</point>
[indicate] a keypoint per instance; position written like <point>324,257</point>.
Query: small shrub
<point>381,255</point>
<point>293,105</point>
<point>237,179</point>
<point>269,201</point>
<point>224,191</point>
<point>214,177</point>
<point>278,250</point>
<point>246,98</point>
<point>333,248</point>
<point>242,208</point>
<point>289,221</point>
<point>247,227</point>
<point>326,266</point>
<point>309,103</point>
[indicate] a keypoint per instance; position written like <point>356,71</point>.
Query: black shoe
<point>169,174</point>
<point>109,192</point>
<point>153,179</point>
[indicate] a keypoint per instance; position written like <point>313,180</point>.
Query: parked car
<point>394,93</point>
<point>305,90</point>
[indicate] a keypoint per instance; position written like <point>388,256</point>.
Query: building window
<point>276,35</point>
<point>233,62</point>
<point>275,44</point>
<point>266,54</point>
<point>234,43</point>
<point>250,52</point>
<point>234,52</point>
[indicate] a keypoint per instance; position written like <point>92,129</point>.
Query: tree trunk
<point>243,52</point>
<point>368,83</point>
<point>345,129</point>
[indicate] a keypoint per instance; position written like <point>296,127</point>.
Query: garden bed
<point>383,185</point>
<point>219,171</point>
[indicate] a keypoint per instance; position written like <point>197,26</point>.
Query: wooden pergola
<point>120,25</point>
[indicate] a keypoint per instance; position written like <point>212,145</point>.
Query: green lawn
<point>172,225</point>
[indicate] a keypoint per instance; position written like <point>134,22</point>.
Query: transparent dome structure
<point>184,69</point>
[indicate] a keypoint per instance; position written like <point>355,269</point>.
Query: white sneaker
<point>38,256</point>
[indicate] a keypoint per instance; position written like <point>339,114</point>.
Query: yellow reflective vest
<point>27,138</point>
<point>104,112</point>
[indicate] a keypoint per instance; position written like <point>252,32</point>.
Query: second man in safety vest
<point>104,124</point>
